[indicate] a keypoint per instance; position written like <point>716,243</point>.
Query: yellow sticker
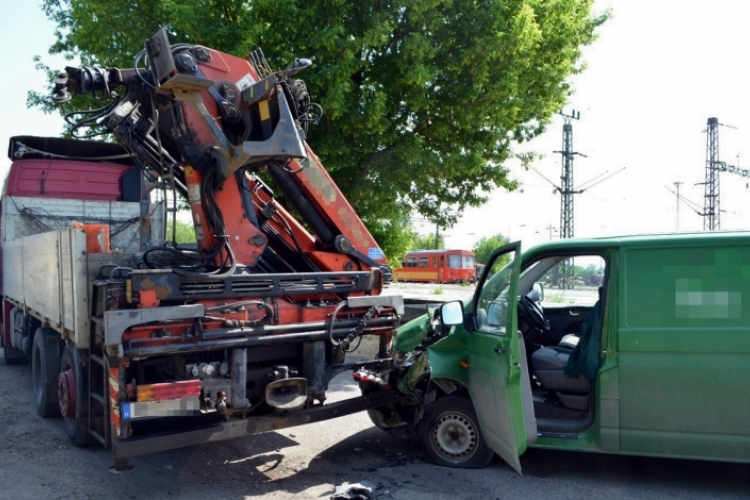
<point>188,171</point>
<point>265,113</point>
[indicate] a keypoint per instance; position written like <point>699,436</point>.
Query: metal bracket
<point>116,322</point>
<point>394,301</point>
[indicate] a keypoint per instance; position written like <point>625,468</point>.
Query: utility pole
<point>711,207</point>
<point>711,203</point>
<point>566,194</point>
<point>566,187</point>
<point>677,206</point>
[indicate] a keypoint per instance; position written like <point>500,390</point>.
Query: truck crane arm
<point>214,121</point>
<point>242,331</point>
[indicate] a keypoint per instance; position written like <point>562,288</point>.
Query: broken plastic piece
<point>369,376</point>
<point>356,491</point>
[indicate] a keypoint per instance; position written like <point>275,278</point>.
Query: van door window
<point>573,281</point>
<point>571,289</point>
<point>492,304</point>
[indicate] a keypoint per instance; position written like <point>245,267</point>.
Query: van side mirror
<point>452,313</point>
<point>539,289</point>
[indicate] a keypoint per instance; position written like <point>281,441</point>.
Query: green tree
<point>184,232</point>
<point>423,99</point>
<point>394,235</point>
<point>426,242</point>
<point>484,247</point>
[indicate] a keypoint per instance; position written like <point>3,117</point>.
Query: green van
<point>635,345</point>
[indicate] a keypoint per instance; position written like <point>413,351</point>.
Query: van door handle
<point>499,350</point>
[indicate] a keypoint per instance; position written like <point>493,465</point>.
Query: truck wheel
<point>450,436</point>
<point>73,393</point>
<point>45,365</point>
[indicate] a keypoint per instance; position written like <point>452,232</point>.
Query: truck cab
<point>634,345</point>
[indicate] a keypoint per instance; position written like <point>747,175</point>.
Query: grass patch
<point>557,298</point>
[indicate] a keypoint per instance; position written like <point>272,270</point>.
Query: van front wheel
<point>450,436</point>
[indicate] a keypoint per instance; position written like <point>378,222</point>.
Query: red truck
<point>142,344</point>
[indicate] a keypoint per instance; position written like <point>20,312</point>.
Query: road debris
<point>356,491</point>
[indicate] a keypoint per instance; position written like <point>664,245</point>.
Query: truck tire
<point>45,365</point>
<point>450,436</point>
<point>73,394</point>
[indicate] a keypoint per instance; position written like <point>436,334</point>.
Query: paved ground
<point>37,461</point>
<point>432,292</point>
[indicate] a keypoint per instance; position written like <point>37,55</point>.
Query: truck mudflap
<point>124,449</point>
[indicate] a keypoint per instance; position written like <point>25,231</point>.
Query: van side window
<point>573,281</point>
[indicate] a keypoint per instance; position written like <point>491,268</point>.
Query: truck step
<point>97,359</point>
<point>99,438</point>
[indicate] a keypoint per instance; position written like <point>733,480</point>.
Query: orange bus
<point>438,266</point>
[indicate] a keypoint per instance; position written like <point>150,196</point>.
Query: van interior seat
<point>548,365</point>
<point>569,341</point>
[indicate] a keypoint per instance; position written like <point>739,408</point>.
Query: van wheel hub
<point>454,437</point>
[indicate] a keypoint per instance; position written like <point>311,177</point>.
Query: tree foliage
<point>484,247</point>
<point>184,232</point>
<point>394,235</point>
<point>426,242</point>
<point>423,99</point>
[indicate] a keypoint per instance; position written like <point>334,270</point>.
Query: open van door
<point>496,360</point>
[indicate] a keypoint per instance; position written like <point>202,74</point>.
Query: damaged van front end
<point>458,391</point>
<point>410,374</point>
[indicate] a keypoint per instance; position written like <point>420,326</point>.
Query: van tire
<point>45,365</point>
<point>450,436</point>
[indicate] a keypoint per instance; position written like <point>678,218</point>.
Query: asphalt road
<point>37,461</point>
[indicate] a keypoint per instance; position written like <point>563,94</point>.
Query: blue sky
<point>657,72</point>
<point>26,32</point>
